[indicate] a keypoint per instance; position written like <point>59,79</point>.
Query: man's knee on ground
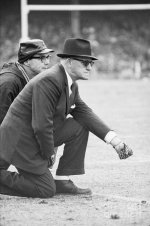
<point>47,192</point>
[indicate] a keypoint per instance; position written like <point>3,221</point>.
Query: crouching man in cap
<point>33,58</point>
<point>37,122</point>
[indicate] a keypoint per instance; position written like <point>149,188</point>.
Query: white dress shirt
<point>69,82</point>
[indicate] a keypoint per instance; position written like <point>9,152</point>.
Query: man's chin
<point>43,69</point>
<point>84,77</point>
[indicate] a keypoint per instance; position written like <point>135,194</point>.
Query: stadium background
<point>120,39</point>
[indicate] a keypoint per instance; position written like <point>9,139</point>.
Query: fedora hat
<point>77,47</point>
<point>31,47</point>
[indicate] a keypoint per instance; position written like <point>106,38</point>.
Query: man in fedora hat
<point>33,58</point>
<point>38,121</point>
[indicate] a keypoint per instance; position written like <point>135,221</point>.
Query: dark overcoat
<point>26,134</point>
<point>11,83</point>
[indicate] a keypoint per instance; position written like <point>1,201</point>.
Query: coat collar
<point>12,68</point>
<point>64,74</point>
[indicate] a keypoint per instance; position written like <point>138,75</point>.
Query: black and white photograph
<point>75,112</point>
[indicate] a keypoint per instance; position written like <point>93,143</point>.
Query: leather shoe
<point>67,186</point>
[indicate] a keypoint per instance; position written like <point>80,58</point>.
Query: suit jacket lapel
<point>67,99</point>
<point>66,90</point>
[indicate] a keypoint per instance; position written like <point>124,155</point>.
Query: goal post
<point>26,8</point>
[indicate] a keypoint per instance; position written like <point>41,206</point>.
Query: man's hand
<point>123,151</point>
<point>52,159</point>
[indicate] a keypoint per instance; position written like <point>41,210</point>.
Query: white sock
<point>61,177</point>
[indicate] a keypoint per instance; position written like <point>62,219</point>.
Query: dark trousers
<point>75,138</point>
<point>27,184</point>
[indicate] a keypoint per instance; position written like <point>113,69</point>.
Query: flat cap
<point>31,47</point>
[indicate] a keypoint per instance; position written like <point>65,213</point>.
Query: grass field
<point>121,188</point>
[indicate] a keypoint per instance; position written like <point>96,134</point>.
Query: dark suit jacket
<point>26,134</point>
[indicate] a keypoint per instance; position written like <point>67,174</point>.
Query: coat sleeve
<point>44,100</point>
<point>87,118</point>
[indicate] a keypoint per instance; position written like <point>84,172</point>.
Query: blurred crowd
<point>121,40</point>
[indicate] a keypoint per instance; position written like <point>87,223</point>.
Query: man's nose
<point>47,61</point>
<point>89,67</point>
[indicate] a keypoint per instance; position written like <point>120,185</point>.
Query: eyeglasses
<point>85,62</point>
<point>42,58</point>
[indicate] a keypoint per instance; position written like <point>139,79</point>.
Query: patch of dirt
<point>73,210</point>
